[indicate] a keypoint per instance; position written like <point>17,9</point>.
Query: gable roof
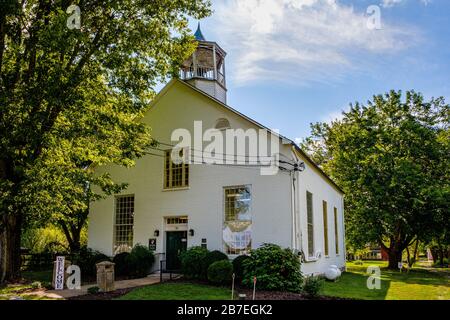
<point>284,139</point>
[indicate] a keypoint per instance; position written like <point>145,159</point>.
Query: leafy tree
<point>71,99</point>
<point>391,158</point>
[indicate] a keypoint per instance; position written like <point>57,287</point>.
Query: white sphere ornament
<point>332,273</point>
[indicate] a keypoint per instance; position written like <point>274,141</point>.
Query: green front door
<point>176,242</point>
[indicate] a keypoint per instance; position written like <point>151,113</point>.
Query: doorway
<point>176,243</point>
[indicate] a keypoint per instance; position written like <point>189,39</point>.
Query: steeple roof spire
<point>198,34</point>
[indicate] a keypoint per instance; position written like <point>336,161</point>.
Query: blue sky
<point>293,62</point>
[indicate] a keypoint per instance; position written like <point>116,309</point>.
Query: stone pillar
<point>105,276</point>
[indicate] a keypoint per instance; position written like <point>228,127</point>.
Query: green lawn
<point>178,291</point>
<point>419,284</point>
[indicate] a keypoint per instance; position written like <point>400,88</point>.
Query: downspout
<point>293,227</point>
<point>343,233</point>
<point>295,211</point>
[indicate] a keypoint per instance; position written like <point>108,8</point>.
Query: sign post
<point>254,287</point>
<point>59,274</point>
<point>400,266</point>
<point>232,287</point>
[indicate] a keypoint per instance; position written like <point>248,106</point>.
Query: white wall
<point>203,201</point>
<point>311,181</point>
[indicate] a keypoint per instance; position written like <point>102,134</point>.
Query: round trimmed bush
<point>220,272</point>
<point>191,262</point>
<point>209,259</point>
<point>122,264</point>
<point>238,267</point>
<point>140,261</point>
<point>275,268</point>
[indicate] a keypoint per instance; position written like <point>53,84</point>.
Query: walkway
<point>122,284</point>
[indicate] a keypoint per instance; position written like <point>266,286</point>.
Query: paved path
<point>122,284</point>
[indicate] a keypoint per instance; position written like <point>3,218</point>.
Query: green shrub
<point>312,286</point>
<point>93,290</point>
<point>209,259</point>
<point>275,268</point>
<point>220,272</point>
<point>36,285</point>
<point>191,262</point>
<point>86,259</point>
<point>359,262</point>
<point>238,267</point>
<point>438,264</point>
<point>40,261</point>
<point>140,261</point>
<point>122,264</point>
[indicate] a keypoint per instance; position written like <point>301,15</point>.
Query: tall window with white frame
<point>237,228</point>
<point>124,222</point>
<point>325,227</point>
<point>310,218</point>
<point>336,230</point>
<point>176,175</point>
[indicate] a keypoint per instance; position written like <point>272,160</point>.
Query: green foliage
<point>390,156</point>
<point>140,261</point>
<point>210,258</point>
<point>312,286</point>
<point>71,101</point>
<point>122,264</point>
<point>238,267</point>
<point>87,259</point>
<point>41,261</point>
<point>93,290</point>
<point>438,264</point>
<point>45,239</point>
<point>275,268</point>
<point>191,262</point>
<point>220,272</point>
<point>36,285</point>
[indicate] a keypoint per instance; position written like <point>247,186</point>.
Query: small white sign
<point>59,274</point>
<point>400,265</point>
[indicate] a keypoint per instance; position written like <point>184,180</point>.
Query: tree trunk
<point>412,259</point>
<point>73,236</point>
<point>10,260</point>
<point>395,256</point>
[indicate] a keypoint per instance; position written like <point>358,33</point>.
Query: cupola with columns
<point>205,69</point>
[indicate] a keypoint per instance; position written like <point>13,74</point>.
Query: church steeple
<point>198,34</point>
<point>205,69</point>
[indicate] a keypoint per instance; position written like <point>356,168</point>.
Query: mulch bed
<point>103,295</point>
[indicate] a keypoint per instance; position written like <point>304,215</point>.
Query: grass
<point>178,291</point>
<point>419,284</point>
<point>22,290</point>
<point>19,291</point>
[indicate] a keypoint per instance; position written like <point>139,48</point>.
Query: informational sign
<point>400,265</point>
<point>152,244</point>
<point>59,274</point>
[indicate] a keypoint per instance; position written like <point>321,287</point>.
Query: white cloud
<point>333,116</point>
<point>300,41</point>
<point>390,3</point>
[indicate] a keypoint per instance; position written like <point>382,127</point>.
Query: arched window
<point>222,124</point>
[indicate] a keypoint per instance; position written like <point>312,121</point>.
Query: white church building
<point>234,204</point>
